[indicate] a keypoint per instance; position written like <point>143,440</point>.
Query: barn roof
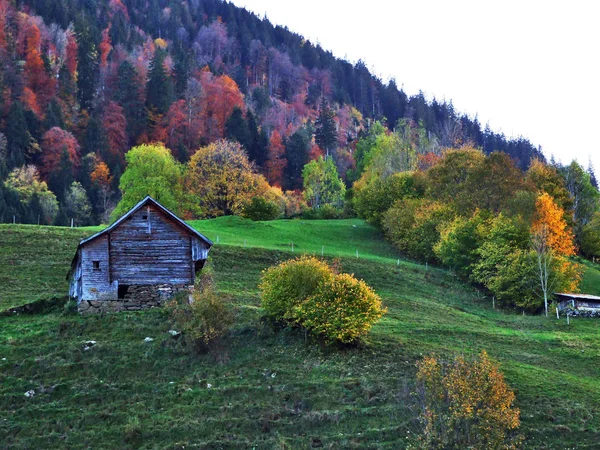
<point>578,296</point>
<point>142,203</point>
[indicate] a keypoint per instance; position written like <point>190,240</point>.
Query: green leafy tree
<point>584,195</point>
<point>459,243</point>
<point>590,237</point>
<point>372,200</point>
<point>413,226</point>
<point>322,184</point>
<point>77,205</point>
<point>151,170</point>
<point>25,181</point>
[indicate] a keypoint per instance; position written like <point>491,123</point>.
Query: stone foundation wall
<point>136,298</point>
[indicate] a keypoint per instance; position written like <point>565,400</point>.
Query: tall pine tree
<point>159,90</point>
<point>326,130</point>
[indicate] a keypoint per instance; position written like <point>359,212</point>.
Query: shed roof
<point>142,203</point>
<point>578,296</point>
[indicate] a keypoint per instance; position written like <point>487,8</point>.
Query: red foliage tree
<point>220,96</point>
<point>4,12</point>
<point>54,141</point>
<point>176,126</point>
<point>71,54</point>
<point>276,163</point>
<point>115,125</point>
<point>105,47</point>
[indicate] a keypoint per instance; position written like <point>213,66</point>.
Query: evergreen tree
<point>159,90</point>
<point>54,116</point>
<point>236,128</point>
<point>95,137</point>
<point>592,174</point>
<point>128,97</point>
<point>60,180</point>
<point>326,130</point>
<point>259,151</point>
<point>296,153</point>
<point>19,140</point>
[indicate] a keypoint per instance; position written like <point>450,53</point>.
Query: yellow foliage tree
<point>222,179</point>
<point>549,222</point>
<point>467,404</point>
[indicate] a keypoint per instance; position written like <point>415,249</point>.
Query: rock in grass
<point>174,333</point>
<point>30,393</point>
<point>148,339</point>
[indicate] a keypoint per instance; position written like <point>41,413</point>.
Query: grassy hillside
<point>271,389</point>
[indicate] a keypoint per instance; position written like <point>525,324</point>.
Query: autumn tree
<point>551,239</point>
<point>101,177</point>
<point>57,142</point>
<point>220,96</point>
<point>151,170</point>
<point>276,163</point>
<point>467,404</point>
<point>114,124</point>
<point>222,178</point>
<point>322,184</point>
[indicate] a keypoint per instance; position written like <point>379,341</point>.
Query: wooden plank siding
<point>96,284</point>
<point>149,248</point>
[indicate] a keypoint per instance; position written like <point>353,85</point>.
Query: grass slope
<point>270,389</point>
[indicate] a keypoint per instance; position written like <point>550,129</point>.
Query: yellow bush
<point>342,309</point>
<point>467,404</point>
<point>288,284</point>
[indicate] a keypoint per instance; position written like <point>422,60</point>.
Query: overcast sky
<point>529,68</point>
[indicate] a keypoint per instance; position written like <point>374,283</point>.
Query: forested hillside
<point>83,81</point>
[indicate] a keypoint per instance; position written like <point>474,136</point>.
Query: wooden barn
<point>581,302</point>
<point>140,261</point>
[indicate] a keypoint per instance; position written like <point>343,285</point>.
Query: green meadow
<point>265,388</point>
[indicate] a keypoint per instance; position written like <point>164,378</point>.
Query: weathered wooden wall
<point>151,250</point>
<point>96,284</point>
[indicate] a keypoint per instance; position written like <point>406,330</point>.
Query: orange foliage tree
<point>101,177</point>
<point>220,96</point>
<point>467,404</point>
<point>552,242</point>
<point>105,47</point>
<point>276,161</point>
<point>40,87</point>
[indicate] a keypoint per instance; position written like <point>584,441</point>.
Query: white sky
<point>527,67</point>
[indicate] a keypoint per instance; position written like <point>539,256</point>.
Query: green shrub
<point>308,293</point>
<point>203,318</point>
<point>342,309</point>
<point>325,212</point>
<point>260,208</point>
<point>285,286</point>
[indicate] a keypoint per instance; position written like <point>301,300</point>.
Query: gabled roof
<point>144,202</point>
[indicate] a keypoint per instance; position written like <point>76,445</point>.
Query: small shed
<point>581,302</point>
<point>141,260</point>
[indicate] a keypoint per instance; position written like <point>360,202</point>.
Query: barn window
<point>122,291</point>
<point>145,217</point>
<point>96,265</point>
